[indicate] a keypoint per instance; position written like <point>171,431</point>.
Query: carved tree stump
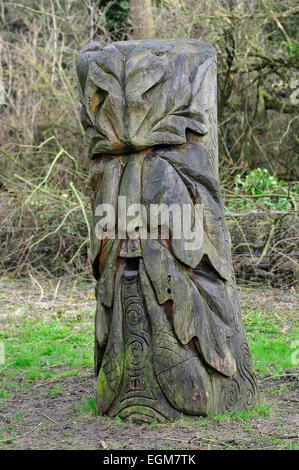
<point>169,337</point>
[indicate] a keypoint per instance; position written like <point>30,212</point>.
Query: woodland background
<point>44,191</point>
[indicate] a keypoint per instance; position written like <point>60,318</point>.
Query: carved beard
<point>149,112</point>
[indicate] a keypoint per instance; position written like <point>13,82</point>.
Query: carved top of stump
<point>138,94</point>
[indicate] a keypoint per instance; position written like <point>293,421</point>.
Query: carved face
<point>149,111</point>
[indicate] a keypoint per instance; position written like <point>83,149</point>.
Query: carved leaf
<point>192,317</point>
<point>137,97</point>
<point>162,185</point>
<point>193,165</point>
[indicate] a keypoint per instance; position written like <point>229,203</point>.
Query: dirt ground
<point>57,423</point>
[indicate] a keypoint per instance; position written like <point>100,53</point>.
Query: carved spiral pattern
<point>137,352</point>
<point>231,395</point>
<point>246,357</point>
<point>249,398</point>
<point>137,347</point>
<point>134,316</point>
<point>135,333</point>
<point>245,370</point>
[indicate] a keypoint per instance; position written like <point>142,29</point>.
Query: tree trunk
<point>169,337</point>
<point>142,19</point>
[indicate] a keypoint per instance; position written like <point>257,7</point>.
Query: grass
<point>243,416</point>
<point>62,344</point>
<point>37,350</point>
<point>47,330</point>
<point>3,393</point>
<point>247,415</point>
<point>56,390</point>
<point>270,338</point>
<point>87,406</point>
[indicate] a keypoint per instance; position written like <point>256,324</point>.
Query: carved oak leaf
<point>163,185</point>
<point>144,99</point>
<point>192,317</point>
<point>142,73</point>
<point>196,172</point>
<point>181,105</point>
<point>104,100</point>
<point>105,176</point>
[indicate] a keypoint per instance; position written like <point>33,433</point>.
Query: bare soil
<point>47,422</point>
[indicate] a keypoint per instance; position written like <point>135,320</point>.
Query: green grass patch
<point>270,338</point>
<point>3,392</point>
<point>257,411</point>
<point>87,406</point>
<point>63,346</point>
<point>47,349</point>
<point>56,390</point>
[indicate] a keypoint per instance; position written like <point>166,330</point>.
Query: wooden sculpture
<point>169,337</point>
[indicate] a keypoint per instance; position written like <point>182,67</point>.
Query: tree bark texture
<point>142,19</point>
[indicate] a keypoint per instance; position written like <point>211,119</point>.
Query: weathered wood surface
<point>169,333</point>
